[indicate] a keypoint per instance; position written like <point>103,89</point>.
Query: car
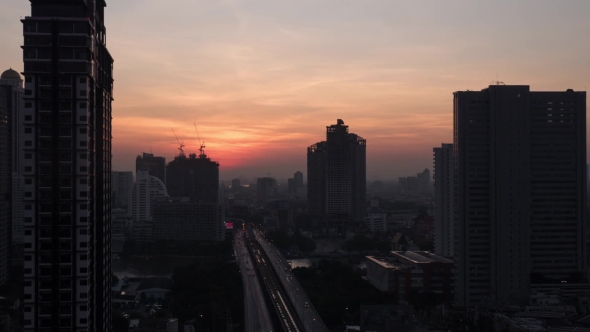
<point>306,304</point>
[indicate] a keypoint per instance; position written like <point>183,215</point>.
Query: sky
<point>263,78</point>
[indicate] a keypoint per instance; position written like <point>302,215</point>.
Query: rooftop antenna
<point>202,144</point>
<point>179,143</point>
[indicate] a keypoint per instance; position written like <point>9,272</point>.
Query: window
<point>28,118</point>
<point>83,219</point>
<point>83,106</point>
<point>83,194</point>
<point>83,270</point>
<point>28,220</point>
<point>83,307</point>
<point>83,206</point>
<point>28,207</point>
<point>28,181</point>
<point>28,130</point>
<point>83,321</point>
<point>29,79</point>
<point>83,156</point>
<point>28,270</point>
<point>28,168</point>
<point>82,117</point>
<point>83,244</point>
<point>82,93</point>
<point>83,169</point>
<point>83,130</point>
<point>83,231</point>
<point>83,143</point>
<point>28,92</point>
<point>28,143</point>
<point>84,181</point>
<point>83,282</point>
<point>83,257</point>
<point>83,295</point>
<point>28,322</point>
<point>28,258</point>
<point>82,79</point>
<point>28,245</point>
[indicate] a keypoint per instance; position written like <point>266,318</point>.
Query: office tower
<point>266,188</point>
<point>67,167</point>
<point>298,176</point>
<point>156,166</point>
<point>180,220</point>
<point>424,180</point>
<point>236,184</point>
<point>194,177</point>
<point>122,184</point>
<point>443,200</point>
<point>146,189</point>
<point>336,170</point>
<point>520,160</point>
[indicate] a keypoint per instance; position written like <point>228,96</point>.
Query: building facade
<point>195,177</point>
<point>154,165</point>
<point>181,220</point>
<point>67,167</point>
<point>443,200</point>
<point>5,186</point>
<point>266,188</point>
<point>146,190</point>
<point>520,159</point>
<point>122,184</point>
<point>337,181</point>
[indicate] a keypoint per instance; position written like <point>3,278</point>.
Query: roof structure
<point>10,74</point>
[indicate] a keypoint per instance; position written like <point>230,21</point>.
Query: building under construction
<point>336,178</point>
<point>195,177</point>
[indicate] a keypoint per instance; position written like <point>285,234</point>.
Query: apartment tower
<point>67,167</point>
<point>443,200</point>
<point>337,180</point>
<point>520,159</point>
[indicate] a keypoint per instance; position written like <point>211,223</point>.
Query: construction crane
<point>181,144</point>
<point>202,144</point>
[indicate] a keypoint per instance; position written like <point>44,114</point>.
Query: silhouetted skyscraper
<point>266,188</point>
<point>443,200</point>
<point>194,177</point>
<point>155,166</point>
<point>67,167</point>
<point>5,185</point>
<point>122,184</point>
<point>298,176</point>
<point>520,159</point>
<point>336,170</point>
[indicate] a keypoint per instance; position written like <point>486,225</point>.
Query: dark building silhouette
<point>155,166</point>
<point>298,176</point>
<point>266,188</point>
<point>336,176</point>
<point>424,180</point>
<point>236,184</point>
<point>520,159</point>
<point>295,184</point>
<point>195,177</point>
<point>67,167</point>
<point>5,185</point>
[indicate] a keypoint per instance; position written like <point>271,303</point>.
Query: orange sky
<point>263,78</point>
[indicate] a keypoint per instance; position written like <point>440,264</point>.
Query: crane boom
<point>181,144</point>
<point>202,144</point>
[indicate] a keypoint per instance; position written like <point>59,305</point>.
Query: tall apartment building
<point>520,160</point>
<point>266,188</point>
<point>67,167</point>
<point>337,181</point>
<point>181,220</point>
<point>5,185</point>
<point>443,200</point>
<point>145,191</point>
<point>154,165</point>
<point>196,177</point>
<point>122,184</point>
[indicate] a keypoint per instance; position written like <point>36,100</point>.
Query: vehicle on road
<point>306,304</point>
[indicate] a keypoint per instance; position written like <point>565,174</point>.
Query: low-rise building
<point>154,288</point>
<point>403,272</point>
<point>377,222</point>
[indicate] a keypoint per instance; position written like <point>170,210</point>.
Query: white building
<point>145,191</point>
<point>377,222</point>
<point>443,200</point>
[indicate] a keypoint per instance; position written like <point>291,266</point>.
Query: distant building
<point>180,220</point>
<point>120,228</point>
<point>195,177</point>
<point>145,191</point>
<point>521,213</point>
<point>377,222</point>
<point>410,184</point>
<point>236,184</point>
<point>443,200</point>
<point>402,272</point>
<point>155,166</point>
<point>122,184</point>
<point>424,180</point>
<point>295,185</point>
<point>336,177</point>
<point>298,176</point>
<point>266,188</point>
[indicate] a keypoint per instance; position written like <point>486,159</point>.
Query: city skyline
<point>253,77</point>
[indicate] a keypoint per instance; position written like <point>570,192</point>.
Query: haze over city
<point>262,79</point>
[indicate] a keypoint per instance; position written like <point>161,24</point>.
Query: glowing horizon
<point>262,79</point>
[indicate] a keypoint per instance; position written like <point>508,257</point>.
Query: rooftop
<point>420,257</point>
<point>10,74</point>
<point>382,261</point>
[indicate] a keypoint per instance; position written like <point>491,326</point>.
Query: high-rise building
<point>146,189</point>
<point>67,167</point>
<point>181,220</point>
<point>11,84</point>
<point>520,159</point>
<point>298,176</point>
<point>336,176</point>
<point>122,184</point>
<point>5,186</point>
<point>155,166</point>
<point>443,200</point>
<point>424,180</point>
<point>236,184</point>
<point>266,188</point>
<point>194,177</point>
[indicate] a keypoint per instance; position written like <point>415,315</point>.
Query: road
<point>257,317</point>
<point>299,300</point>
